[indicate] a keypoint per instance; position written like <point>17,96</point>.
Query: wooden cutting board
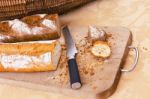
<point>99,77</point>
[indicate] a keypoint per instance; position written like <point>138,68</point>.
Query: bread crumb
<point>109,35</point>
<point>92,73</point>
<point>94,87</point>
<point>145,48</point>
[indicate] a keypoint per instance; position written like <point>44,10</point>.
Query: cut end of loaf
<point>101,49</point>
<point>56,55</point>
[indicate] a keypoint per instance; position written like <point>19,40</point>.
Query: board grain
<point>99,77</point>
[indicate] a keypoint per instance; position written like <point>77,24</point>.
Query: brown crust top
<point>33,69</point>
<point>31,21</point>
<point>27,48</point>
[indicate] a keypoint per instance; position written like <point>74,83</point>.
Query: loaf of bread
<point>101,49</point>
<point>30,28</point>
<point>29,56</point>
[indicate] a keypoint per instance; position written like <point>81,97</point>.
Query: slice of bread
<point>101,49</point>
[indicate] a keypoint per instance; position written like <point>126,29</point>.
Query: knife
<point>72,64</point>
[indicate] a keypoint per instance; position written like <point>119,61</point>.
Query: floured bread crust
<point>29,57</point>
<point>30,28</point>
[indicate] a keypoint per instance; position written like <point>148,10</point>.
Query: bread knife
<point>72,64</point>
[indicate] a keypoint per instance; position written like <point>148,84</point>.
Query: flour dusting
<point>36,30</point>
<point>49,24</point>
<point>3,37</point>
<point>24,61</point>
<point>20,27</point>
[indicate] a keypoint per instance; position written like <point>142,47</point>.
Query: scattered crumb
<point>113,38</point>
<point>100,78</point>
<point>145,49</point>
<point>92,73</point>
<point>94,87</point>
<point>86,37</point>
<point>109,43</point>
<point>85,72</point>
<point>82,42</point>
<point>109,35</point>
<point>63,47</point>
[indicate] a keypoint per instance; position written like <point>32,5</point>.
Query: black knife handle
<point>74,74</point>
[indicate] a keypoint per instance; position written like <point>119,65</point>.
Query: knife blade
<point>72,64</point>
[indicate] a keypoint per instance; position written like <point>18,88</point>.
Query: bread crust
<point>34,54</point>
<point>30,28</point>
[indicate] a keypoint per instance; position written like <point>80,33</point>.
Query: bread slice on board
<point>101,49</point>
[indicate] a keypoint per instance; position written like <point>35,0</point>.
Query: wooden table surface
<point>133,14</point>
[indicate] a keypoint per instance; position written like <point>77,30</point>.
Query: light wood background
<point>133,14</point>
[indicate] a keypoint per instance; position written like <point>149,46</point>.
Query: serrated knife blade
<point>71,47</point>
